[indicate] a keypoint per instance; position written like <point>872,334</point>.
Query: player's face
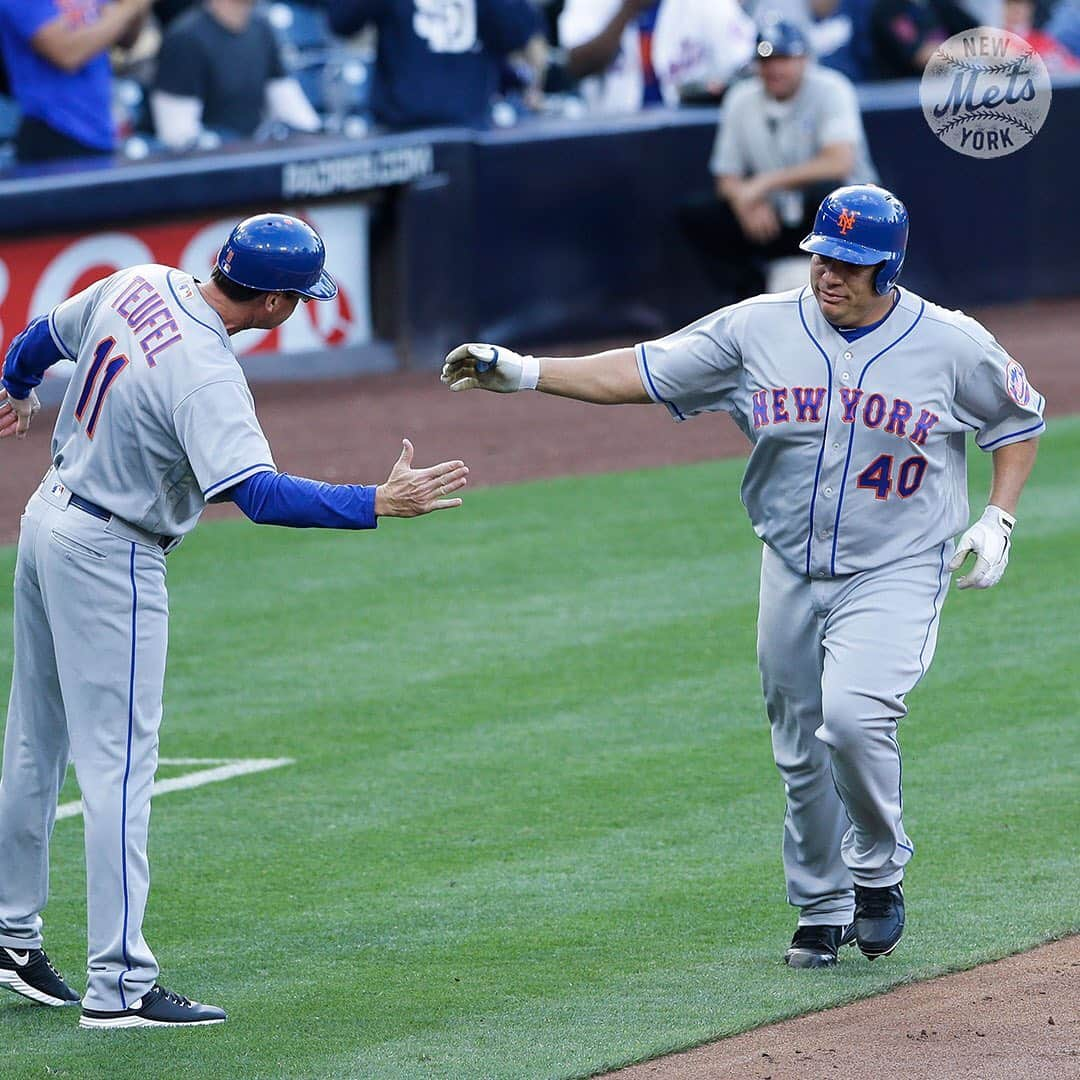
<point>782,75</point>
<point>845,292</point>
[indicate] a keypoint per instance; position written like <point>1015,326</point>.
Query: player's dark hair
<point>240,294</point>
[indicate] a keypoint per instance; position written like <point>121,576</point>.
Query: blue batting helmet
<point>865,225</point>
<point>277,253</point>
<point>781,37</point>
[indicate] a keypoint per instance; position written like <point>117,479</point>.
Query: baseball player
<point>857,397</point>
<point>157,421</point>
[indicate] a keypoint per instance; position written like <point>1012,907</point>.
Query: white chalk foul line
<point>228,769</point>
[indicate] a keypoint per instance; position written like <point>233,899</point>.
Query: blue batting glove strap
<point>487,365</point>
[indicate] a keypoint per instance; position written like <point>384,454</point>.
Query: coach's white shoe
<point>158,1007</point>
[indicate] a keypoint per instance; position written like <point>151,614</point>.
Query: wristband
<point>530,372</point>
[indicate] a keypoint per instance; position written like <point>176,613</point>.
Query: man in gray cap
<point>787,136</point>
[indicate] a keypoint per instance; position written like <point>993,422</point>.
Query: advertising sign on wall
<point>36,274</point>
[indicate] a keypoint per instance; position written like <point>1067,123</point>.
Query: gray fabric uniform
<point>856,484</point>
<point>157,420</point>
<point>757,134</point>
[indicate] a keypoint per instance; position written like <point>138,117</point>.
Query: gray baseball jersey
<point>157,419</point>
<point>148,346</point>
<point>858,446</point>
<point>856,483</point>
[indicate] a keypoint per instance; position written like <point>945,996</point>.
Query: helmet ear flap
<point>881,285</point>
<point>886,274</point>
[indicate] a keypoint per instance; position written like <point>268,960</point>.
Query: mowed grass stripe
<point>533,827</point>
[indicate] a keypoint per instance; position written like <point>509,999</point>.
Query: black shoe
<point>158,1007</point>
<point>28,972</point>
<point>879,919</point>
<point>817,946</point>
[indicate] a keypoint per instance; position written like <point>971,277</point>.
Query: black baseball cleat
<point>28,972</point>
<point>817,946</point>
<point>158,1007</point>
<point>879,919</point>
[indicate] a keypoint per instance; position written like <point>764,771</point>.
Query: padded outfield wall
<point>551,231</point>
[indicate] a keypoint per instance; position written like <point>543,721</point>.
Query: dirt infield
<point>1017,1019</point>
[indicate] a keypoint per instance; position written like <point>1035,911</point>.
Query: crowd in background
<point>84,78</point>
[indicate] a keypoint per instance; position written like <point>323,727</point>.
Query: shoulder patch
<point>1016,383</point>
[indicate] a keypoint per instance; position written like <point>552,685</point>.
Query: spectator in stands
<point>630,54</point>
<point>905,33</point>
<point>840,37</point>
<point>609,48</point>
<point>786,138</point>
<point>1020,19</point>
<point>438,61</point>
<point>56,53</point>
<point>167,10</point>
<point>698,48</point>
<point>1064,25</point>
<point>220,71</point>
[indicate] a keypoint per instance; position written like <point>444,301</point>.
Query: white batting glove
<point>989,540</point>
<point>490,367</point>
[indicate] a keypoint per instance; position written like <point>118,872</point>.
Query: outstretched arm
<point>271,498</point>
<point>607,378</point>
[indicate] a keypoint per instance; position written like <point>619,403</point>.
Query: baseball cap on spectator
<point>781,37</point>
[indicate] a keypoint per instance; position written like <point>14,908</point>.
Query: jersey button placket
<point>837,450</point>
<point>824,509</point>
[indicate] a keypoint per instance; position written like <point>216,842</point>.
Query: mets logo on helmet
<point>846,222</point>
<point>1016,383</point>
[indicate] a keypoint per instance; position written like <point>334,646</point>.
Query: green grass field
<point>533,827</point>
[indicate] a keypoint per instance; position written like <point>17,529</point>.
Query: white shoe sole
<point>873,956</point>
<point>95,1023</point>
<point>10,979</point>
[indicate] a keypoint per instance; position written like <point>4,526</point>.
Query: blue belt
<point>94,510</point>
<point>90,508</point>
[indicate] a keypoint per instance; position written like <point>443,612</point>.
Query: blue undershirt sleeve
<point>29,356</point>
<point>271,498</point>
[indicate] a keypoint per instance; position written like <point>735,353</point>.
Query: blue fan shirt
<point>77,104</point>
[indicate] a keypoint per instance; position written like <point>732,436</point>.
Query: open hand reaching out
<point>410,492</point>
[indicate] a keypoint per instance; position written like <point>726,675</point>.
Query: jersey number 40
<point>112,367</point>
<point>878,476</point>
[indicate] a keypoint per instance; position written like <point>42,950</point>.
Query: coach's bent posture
<point>157,421</point>
<point>857,397</point>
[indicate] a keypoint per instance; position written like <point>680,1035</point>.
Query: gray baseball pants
<point>838,656</point>
<point>91,624</point>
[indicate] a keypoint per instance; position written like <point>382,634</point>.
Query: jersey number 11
<point>112,368</point>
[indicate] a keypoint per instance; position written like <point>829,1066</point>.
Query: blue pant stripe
<point>127,774</point>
